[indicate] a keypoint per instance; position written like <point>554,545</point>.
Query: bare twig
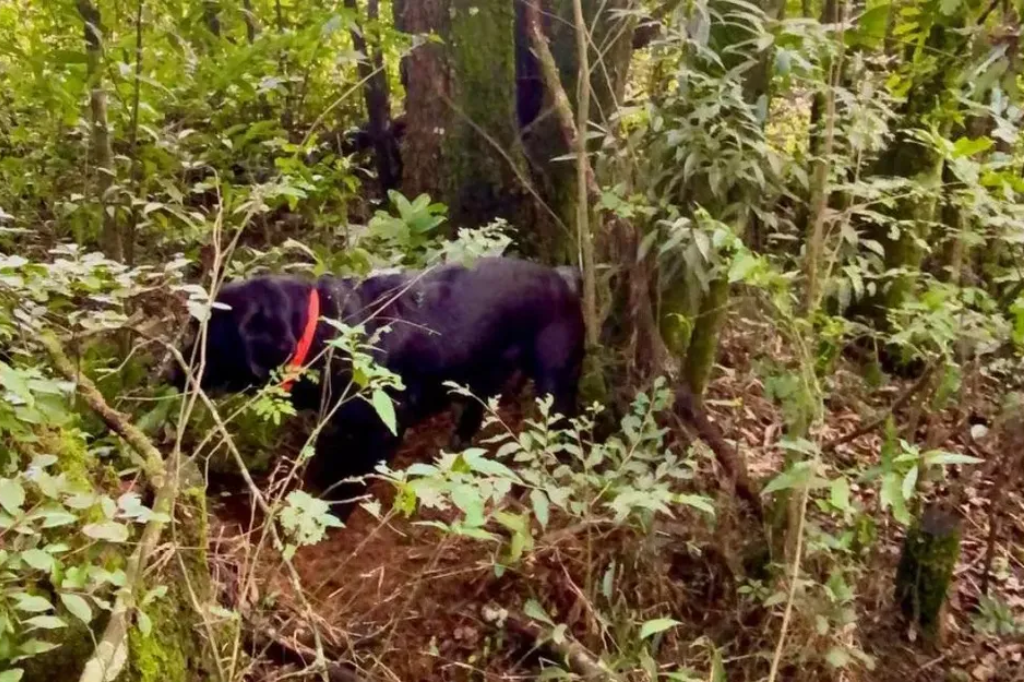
<point>900,401</point>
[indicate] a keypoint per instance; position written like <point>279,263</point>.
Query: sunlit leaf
<point>385,408</point>
<point>653,627</point>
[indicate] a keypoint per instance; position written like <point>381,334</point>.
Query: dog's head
<point>253,329</point>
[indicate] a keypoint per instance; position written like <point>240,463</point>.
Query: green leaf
<point>653,627</point>
<point>910,483</point>
<point>837,658</point>
<point>13,675</point>
<point>840,494</point>
<point>109,531</point>
<point>34,647</point>
<point>939,458</point>
<point>145,624</point>
<point>892,496</point>
<point>645,245</point>
<point>77,607</point>
<point>608,582</point>
<point>37,559</point>
<point>477,460</point>
<point>46,623</point>
<point>872,23</point>
<point>540,506</point>
<point>949,7</point>
<point>796,476</point>
<point>385,408</point>
<point>468,500</point>
<point>32,604</point>
<point>742,266</point>
<point>717,666</point>
<point>968,147</point>
<point>157,592</point>
<point>697,502</point>
<point>55,518</point>
<point>534,610</point>
<point>12,496</point>
<point>14,381</point>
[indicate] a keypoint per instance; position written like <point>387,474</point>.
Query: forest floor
<point>406,602</point>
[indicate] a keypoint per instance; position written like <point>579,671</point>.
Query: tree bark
<point>822,137</point>
<point>461,144</point>
<point>708,309</point>
<point>102,151</point>
<point>378,100</point>
<point>610,43</point>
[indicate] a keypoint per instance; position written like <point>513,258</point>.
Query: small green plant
<point>518,492</point>
<point>410,232</point>
<point>995,617</point>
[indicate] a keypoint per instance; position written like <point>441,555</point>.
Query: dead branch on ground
<point>579,659</point>
<point>687,411</point>
<point>874,424</point>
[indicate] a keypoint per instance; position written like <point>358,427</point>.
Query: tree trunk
<point>461,144</point>
<point>823,114</point>
<point>378,101</point>
<point>610,48</point>
<point>702,344</point>
<point>103,155</point>
<point>907,158</point>
<point>930,552</point>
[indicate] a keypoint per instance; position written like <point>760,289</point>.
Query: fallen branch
<point>111,653</point>
<point>579,659</point>
<point>268,637</point>
<point>900,401</point>
<point>688,411</point>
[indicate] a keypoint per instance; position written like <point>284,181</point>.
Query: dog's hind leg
<point>349,450</point>
<point>557,363</point>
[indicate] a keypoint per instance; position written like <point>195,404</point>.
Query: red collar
<point>298,359</point>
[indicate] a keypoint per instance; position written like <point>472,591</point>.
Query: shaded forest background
<point>800,227</point>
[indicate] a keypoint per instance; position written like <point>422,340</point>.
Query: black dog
<point>473,326</point>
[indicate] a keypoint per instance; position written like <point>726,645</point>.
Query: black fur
<point>474,326</point>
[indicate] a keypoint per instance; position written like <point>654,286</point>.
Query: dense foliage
<point>801,228</point>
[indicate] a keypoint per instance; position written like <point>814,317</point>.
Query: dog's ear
<point>268,340</point>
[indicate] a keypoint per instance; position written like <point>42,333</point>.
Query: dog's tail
<point>572,276</point>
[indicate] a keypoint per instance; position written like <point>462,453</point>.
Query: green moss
<point>73,456</point>
<point>700,356</point>
<point>930,552</point>
<point>173,651</point>
<point>482,67</point>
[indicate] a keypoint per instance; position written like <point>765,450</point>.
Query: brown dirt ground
<point>406,604</point>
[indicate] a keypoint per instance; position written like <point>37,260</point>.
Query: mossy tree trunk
<point>177,649</point>
<point>931,550</point>
<point>696,341</point>
<point>462,142</point>
<point>610,48</point>
<point>930,104</point>
<point>102,150</point>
